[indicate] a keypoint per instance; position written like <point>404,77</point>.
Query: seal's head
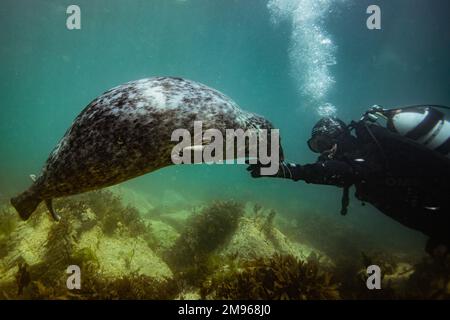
<point>259,123</point>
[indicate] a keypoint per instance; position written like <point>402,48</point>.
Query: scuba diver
<point>401,167</point>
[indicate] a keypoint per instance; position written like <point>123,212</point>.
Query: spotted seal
<point>125,133</point>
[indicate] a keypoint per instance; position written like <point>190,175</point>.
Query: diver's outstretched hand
<point>286,170</point>
<point>255,170</point>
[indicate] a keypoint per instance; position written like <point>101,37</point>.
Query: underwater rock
<point>27,242</point>
<point>171,201</point>
<point>8,223</point>
<point>305,226</point>
<point>220,239</point>
<point>119,255</point>
<point>165,235</point>
<point>251,241</point>
<point>109,241</point>
<point>176,219</point>
<point>88,219</point>
<point>132,198</point>
<point>27,245</point>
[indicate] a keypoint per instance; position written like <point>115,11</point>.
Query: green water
<point>256,52</point>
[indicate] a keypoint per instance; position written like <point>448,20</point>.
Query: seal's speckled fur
<point>126,132</point>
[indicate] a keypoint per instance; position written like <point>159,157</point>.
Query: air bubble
<point>312,50</point>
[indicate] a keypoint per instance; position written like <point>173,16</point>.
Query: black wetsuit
<point>400,177</point>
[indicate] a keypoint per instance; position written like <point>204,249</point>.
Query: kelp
<point>279,277</point>
<point>204,233</point>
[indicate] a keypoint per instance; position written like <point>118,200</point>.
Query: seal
<point>125,133</point>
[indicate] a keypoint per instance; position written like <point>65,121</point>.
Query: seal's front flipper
<point>49,205</point>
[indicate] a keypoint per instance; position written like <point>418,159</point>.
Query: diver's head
<point>327,133</point>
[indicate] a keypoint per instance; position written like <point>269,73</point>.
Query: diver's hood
<point>327,132</point>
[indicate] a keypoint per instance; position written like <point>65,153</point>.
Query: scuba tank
<point>425,124</point>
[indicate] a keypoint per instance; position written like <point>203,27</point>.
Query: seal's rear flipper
<point>25,203</point>
<point>49,205</point>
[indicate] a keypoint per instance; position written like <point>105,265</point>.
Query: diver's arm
<point>329,172</point>
<point>285,170</point>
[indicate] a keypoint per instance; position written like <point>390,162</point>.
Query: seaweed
<point>110,214</point>
<point>128,259</point>
<point>204,233</point>
<point>257,209</point>
<point>133,286</point>
<point>8,223</point>
<point>23,277</point>
<point>45,278</point>
<point>430,280</point>
<point>84,257</point>
<point>353,275</point>
<point>128,287</point>
<point>195,273</point>
<point>102,202</point>
<point>385,261</point>
<point>197,261</point>
<point>278,277</point>
<point>268,227</point>
<point>59,247</point>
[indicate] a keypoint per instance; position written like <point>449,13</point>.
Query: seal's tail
<point>25,203</point>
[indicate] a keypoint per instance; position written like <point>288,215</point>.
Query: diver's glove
<point>285,170</point>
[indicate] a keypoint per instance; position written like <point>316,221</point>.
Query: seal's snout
<point>26,203</point>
